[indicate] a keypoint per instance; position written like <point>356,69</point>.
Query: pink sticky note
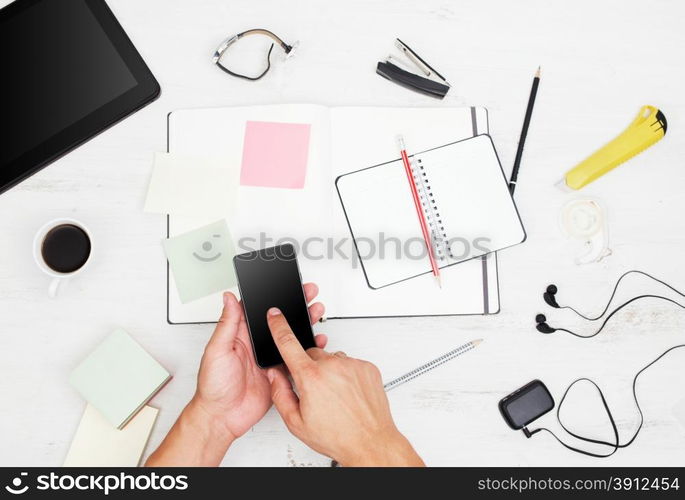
<point>275,154</point>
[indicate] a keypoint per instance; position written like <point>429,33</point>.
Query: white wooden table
<point>601,61</point>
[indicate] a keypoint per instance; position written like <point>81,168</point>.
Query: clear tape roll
<point>584,220</point>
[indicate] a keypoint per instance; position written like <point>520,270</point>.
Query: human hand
<point>232,393</point>
<point>231,389</point>
<point>342,410</point>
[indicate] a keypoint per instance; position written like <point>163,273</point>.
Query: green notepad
<point>118,378</point>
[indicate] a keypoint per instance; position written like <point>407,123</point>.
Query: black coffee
<point>66,248</point>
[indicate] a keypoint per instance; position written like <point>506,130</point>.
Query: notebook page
<point>275,212</point>
<point>472,196</point>
<point>470,287</point>
<point>380,211</point>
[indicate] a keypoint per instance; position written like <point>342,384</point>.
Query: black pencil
<point>524,131</point>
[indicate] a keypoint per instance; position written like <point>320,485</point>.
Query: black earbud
<point>545,328</point>
<point>549,298</point>
<point>540,319</point>
<point>542,325</point>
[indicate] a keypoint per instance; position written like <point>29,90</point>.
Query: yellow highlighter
<point>648,127</point>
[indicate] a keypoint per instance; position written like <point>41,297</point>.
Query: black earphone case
<point>526,404</point>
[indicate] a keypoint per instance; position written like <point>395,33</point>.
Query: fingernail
<point>225,298</point>
<point>274,311</point>
<point>270,375</point>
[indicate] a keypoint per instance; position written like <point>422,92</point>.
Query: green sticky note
<point>118,378</point>
<point>202,261</point>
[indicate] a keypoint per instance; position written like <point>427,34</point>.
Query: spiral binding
<point>431,365</point>
<point>430,208</point>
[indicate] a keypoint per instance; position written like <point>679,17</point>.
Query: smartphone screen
<point>271,278</point>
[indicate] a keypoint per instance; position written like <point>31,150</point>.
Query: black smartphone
<point>526,404</point>
<point>271,278</point>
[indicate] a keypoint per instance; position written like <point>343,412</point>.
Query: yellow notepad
<point>192,185</point>
<point>98,444</point>
<point>118,378</point>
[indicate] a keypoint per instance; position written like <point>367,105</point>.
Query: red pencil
<point>419,210</point>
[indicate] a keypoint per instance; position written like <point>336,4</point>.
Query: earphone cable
<point>613,294</point>
<point>606,320</point>
<point>615,445</point>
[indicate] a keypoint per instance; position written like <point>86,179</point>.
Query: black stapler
<point>428,84</point>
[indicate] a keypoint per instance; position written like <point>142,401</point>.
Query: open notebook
<point>342,140</point>
<point>464,197</point>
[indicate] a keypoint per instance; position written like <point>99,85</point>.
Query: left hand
<point>231,389</point>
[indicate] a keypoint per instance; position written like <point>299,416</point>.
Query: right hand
<point>342,410</point>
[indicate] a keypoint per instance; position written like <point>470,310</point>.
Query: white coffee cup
<point>58,278</point>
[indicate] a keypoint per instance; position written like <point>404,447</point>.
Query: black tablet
<point>68,72</point>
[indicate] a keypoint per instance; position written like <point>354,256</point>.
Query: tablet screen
<point>59,66</point>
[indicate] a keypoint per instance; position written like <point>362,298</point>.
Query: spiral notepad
<point>465,200</point>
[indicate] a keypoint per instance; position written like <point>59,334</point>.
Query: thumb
<point>227,327</point>
<point>285,400</point>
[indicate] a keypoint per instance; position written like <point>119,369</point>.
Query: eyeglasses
<point>218,54</point>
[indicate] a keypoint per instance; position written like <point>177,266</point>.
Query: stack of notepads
<point>117,380</point>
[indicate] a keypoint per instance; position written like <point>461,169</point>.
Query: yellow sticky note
<point>190,185</point>
<point>97,443</point>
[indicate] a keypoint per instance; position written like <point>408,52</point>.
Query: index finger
<point>290,348</point>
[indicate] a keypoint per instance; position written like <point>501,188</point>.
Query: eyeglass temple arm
<point>273,36</point>
<point>258,31</point>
